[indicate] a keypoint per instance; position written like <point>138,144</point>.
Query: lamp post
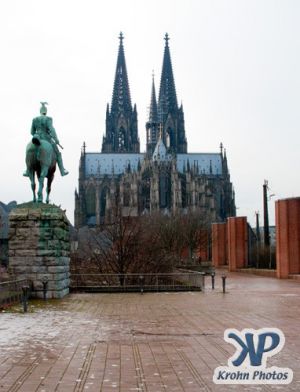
<point>213,280</point>
<point>45,286</point>
<point>25,290</point>
<point>267,237</point>
<point>141,277</point>
<point>224,283</point>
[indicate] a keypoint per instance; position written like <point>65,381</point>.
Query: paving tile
<point>151,342</point>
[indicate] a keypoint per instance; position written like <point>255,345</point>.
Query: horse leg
<point>41,184</point>
<point>32,180</point>
<point>40,191</point>
<point>48,189</point>
<point>50,177</point>
<point>47,192</point>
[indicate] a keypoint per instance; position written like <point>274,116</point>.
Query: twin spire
<point>164,114</point>
<point>167,100</point>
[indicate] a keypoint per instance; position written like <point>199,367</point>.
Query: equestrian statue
<point>42,154</point>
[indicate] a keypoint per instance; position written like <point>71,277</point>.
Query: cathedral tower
<point>121,119</point>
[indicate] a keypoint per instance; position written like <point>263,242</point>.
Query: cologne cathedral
<point>166,177</point>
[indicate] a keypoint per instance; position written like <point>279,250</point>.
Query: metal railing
<point>11,291</point>
<point>178,281</point>
<point>205,267</point>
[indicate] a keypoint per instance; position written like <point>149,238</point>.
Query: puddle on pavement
<point>35,305</point>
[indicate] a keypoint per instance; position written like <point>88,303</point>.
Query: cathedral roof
<point>204,163</point>
<point>100,164</point>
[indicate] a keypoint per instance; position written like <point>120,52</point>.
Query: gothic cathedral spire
<point>171,117</point>
<point>121,93</point>
<point>121,119</point>
<point>167,99</point>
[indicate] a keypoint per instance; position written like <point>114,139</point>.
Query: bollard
<point>224,283</point>
<point>213,280</point>
<point>25,290</point>
<point>45,286</point>
<point>141,283</point>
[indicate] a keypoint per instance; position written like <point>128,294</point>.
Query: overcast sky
<point>236,66</point>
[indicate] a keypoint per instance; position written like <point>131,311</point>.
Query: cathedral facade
<point>166,177</point>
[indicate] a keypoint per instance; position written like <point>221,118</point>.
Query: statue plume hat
<point>43,109</point>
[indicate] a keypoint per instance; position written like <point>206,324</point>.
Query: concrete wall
<point>288,236</point>
<point>237,232</point>
<point>219,244</point>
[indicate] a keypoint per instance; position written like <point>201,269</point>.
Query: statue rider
<point>42,126</point>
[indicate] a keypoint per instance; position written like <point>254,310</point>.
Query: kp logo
<point>248,365</point>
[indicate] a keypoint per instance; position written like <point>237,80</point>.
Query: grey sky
<point>236,67</point>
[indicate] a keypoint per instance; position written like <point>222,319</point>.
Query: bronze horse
<point>41,161</point>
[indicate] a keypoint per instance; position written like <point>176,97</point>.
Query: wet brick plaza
<point>150,342</point>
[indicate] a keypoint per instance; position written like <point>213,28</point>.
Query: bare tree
<point>114,247</point>
<point>195,228</point>
<point>147,244</point>
<point>163,239</point>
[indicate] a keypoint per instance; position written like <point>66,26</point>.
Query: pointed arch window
<point>183,192</point>
<point>145,191</point>
<point>103,201</point>
<point>164,190</point>
<point>170,138</point>
<point>121,139</point>
<point>126,195</point>
<point>91,202</point>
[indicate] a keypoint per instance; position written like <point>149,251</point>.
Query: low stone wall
<point>257,271</point>
<point>295,277</point>
<point>39,247</point>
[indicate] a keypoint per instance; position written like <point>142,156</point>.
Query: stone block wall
<point>287,237</point>
<point>39,247</point>
<point>237,230</point>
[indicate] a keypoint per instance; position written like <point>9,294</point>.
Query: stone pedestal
<point>287,237</point>
<point>39,247</point>
<point>237,231</point>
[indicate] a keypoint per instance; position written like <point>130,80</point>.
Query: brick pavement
<point>152,342</point>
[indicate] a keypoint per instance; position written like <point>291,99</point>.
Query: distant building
<point>4,227</point>
<point>166,177</point>
<point>272,232</point>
